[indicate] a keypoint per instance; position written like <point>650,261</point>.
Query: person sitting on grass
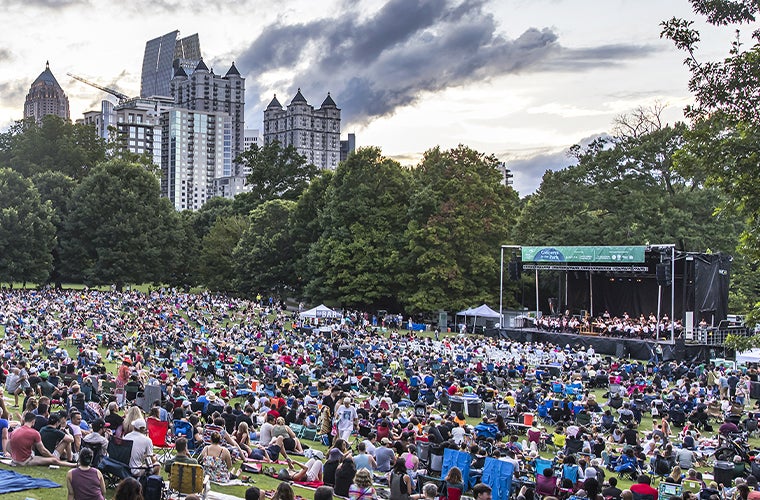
<point>58,442</point>
<point>26,439</point>
<point>85,482</point>
<point>310,471</point>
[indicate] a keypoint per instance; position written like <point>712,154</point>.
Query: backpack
<point>153,488</point>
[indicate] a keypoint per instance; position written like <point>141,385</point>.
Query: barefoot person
<point>26,439</point>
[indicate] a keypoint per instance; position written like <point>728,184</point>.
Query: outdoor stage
<point>617,347</point>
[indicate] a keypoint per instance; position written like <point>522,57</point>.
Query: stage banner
<point>601,255</point>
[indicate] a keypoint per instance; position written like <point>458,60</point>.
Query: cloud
<point>374,64</point>
<point>529,167</point>
<point>5,55</point>
<point>12,92</point>
<point>45,4</point>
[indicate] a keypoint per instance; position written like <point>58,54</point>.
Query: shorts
<point>22,464</point>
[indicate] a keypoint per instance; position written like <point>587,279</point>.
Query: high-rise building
<point>165,55</point>
<point>203,90</point>
<point>138,125</point>
<point>46,97</point>
<point>195,151</point>
<point>251,137</point>
<point>347,147</point>
<point>102,120</point>
<point>315,133</point>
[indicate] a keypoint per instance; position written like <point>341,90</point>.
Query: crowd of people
<point>245,382</point>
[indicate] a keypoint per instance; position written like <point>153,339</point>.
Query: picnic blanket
<point>11,481</point>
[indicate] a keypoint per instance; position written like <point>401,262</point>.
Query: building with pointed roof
<point>315,133</point>
<point>46,97</point>
<point>204,91</point>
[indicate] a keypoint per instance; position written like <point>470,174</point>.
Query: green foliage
<point>306,228</point>
<point>460,214</point>
<point>26,230</point>
<point>276,173</point>
<point>217,267</point>
<point>55,145</point>
<point>626,191</point>
<point>56,188</point>
<point>359,253</point>
<point>119,230</point>
<point>203,220</point>
<point>264,255</point>
<point>723,148</point>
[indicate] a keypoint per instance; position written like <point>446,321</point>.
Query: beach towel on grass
<point>11,481</point>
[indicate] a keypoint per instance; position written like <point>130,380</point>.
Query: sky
<point>520,79</point>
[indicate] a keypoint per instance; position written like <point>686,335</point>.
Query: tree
<point>306,228</point>
<point>264,256</point>
<point>217,269</point>
<point>203,220</point>
<point>56,188</point>
<point>55,145</point>
<point>626,191</point>
<point>460,215</point>
<point>26,230</point>
<point>723,147</point>
<point>277,172</point>
<point>358,257</point>
<point>119,230</point>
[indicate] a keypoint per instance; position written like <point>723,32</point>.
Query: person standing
<point>346,419</point>
<point>84,482</point>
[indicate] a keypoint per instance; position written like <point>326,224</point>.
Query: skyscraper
<point>195,151</point>
<point>164,55</point>
<point>315,133</point>
<point>46,97</point>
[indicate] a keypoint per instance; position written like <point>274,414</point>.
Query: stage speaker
<point>515,271</point>
<point>663,274</point>
<point>620,350</point>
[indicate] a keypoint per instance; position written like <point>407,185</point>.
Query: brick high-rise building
<point>46,97</point>
<point>315,133</point>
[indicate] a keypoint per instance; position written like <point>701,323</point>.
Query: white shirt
<point>142,448</point>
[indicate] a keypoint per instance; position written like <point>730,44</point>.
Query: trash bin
<point>456,404</point>
<point>474,407</point>
<point>723,473</point>
<point>527,419</point>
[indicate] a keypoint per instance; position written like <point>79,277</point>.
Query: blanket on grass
<point>11,481</point>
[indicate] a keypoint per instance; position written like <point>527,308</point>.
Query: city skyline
<point>521,80</point>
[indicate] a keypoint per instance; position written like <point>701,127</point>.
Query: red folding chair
<point>158,430</point>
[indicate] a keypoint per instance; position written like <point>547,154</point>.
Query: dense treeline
<point>376,234</point>
<point>371,233</point>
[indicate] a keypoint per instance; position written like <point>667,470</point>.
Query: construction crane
<point>121,97</point>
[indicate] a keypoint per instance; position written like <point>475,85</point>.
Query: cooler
<point>527,419</point>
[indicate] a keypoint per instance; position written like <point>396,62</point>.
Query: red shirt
<point>644,489</point>
<point>22,441</point>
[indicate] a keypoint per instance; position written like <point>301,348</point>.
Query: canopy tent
<point>321,311</point>
<point>483,312</point>
<point>751,356</point>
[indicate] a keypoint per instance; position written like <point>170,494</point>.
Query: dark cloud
<point>5,55</point>
<point>375,64</point>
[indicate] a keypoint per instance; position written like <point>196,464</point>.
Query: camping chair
<point>107,390</point>
<point>188,479</point>
<point>541,465</point>
<point>97,452</point>
<point>185,429</point>
<point>158,431</point>
<point>570,472</point>
<point>115,466</point>
<point>691,485</point>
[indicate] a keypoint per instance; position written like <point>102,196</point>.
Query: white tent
<point>321,311</point>
<point>479,312</point>
<point>751,356</point>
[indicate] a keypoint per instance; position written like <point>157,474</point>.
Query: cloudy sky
<point>521,79</point>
